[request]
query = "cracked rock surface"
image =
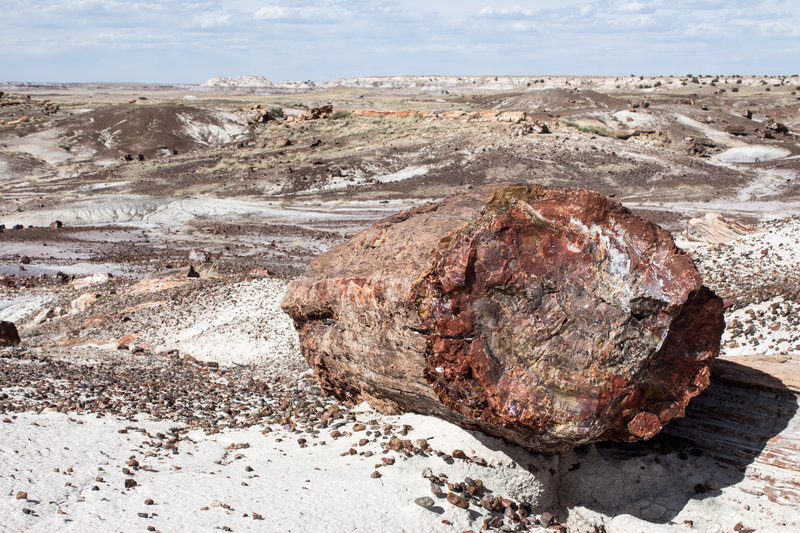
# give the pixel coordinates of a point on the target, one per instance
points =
(549, 317)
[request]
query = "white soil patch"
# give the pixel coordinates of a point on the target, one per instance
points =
(405, 174)
(237, 324)
(752, 154)
(719, 137)
(767, 182)
(16, 308)
(228, 129)
(637, 120)
(115, 209)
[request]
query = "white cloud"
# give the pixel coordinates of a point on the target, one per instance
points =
(514, 12)
(271, 13)
(632, 7)
(312, 14)
(779, 28)
(212, 20)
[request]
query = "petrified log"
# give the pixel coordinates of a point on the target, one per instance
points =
(8, 334)
(549, 317)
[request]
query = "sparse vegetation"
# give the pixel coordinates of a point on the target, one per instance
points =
(341, 115)
(596, 130)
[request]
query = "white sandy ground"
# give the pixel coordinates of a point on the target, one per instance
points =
(239, 324)
(14, 309)
(751, 154)
(316, 489)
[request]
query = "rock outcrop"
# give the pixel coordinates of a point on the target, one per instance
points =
(9, 336)
(713, 228)
(549, 317)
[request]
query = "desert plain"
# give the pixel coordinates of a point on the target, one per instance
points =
(149, 232)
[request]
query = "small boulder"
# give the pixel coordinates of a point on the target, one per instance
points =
(9, 336)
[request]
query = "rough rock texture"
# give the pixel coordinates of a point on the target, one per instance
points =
(8, 334)
(550, 317)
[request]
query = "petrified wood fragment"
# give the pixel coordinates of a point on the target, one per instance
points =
(549, 317)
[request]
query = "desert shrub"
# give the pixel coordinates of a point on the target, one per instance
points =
(735, 90)
(276, 112)
(341, 114)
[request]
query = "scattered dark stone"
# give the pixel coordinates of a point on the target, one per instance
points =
(130, 483)
(459, 454)
(149, 501)
(21, 495)
(375, 475)
(494, 522)
(457, 500)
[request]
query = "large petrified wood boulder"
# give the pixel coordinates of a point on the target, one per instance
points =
(549, 317)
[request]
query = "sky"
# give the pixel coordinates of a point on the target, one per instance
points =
(185, 41)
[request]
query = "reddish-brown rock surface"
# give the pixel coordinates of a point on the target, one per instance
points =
(550, 317)
(8, 334)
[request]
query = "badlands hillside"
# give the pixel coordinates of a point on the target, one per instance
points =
(147, 235)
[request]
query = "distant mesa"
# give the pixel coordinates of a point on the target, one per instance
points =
(241, 82)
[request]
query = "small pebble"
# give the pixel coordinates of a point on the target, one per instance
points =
(425, 502)
(457, 500)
